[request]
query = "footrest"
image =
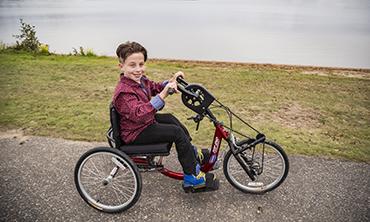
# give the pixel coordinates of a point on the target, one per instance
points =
(212, 184)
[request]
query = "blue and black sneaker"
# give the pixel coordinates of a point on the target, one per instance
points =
(200, 183)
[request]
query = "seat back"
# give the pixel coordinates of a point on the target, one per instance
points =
(115, 126)
(114, 139)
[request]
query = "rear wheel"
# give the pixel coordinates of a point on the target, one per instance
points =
(267, 161)
(107, 180)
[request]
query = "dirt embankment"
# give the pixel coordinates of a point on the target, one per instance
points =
(310, 70)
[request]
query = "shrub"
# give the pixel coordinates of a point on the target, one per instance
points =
(2, 46)
(44, 49)
(83, 52)
(27, 39)
(90, 52)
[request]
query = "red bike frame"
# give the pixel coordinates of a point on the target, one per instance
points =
(220, 133)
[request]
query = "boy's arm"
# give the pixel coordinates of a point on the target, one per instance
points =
(156, 87)
(129, 106)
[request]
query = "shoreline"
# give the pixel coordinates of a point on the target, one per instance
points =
(264, 65)
(360, 73)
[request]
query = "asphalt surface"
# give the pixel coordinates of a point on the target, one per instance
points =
(37, 185)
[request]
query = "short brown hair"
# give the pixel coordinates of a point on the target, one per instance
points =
(126, 49)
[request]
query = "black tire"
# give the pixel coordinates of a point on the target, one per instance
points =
(241, 181)
(125, 184)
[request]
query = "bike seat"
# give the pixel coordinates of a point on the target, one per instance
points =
(114, 140)
(160, 149)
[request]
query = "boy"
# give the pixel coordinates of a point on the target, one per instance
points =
(137, 100)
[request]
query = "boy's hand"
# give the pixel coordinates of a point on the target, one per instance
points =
(174, 77)
(164, 93)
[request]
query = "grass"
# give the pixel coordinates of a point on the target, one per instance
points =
(310, 111)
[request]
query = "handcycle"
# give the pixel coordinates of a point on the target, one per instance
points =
(109, 178)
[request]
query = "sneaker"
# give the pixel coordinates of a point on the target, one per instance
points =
(191, 180)
(200, 183)
(197, 181)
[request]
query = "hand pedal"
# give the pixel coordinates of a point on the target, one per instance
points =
(212, 184)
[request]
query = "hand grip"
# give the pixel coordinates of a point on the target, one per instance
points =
(181, 81)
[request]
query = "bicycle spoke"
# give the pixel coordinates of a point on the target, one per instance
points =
(121, 192)
(274, 167)
(131, 189)
(92, 172)
(91, 183)
(117, 196)
(90, 177)
(271, 159)
(91, 187)
(92, 162)
(124, 182)
(123, 175)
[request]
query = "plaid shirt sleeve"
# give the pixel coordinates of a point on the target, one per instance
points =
(155, 87)
(129, 106)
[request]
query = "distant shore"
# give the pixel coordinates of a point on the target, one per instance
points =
(267, 65)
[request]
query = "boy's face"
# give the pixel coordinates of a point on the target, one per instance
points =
(134, 66)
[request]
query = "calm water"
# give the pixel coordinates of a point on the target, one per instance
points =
(321, 33)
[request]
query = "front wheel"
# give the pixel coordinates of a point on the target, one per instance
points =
(107, 180)
(267, 161)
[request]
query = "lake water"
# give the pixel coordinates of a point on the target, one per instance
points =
(317, 32)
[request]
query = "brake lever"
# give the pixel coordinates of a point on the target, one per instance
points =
(197, 118)
(196, 129)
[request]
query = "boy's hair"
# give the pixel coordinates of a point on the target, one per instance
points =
(126, 49)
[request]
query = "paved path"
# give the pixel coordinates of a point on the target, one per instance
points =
(37, 185)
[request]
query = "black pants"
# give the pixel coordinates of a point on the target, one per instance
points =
(169, 129)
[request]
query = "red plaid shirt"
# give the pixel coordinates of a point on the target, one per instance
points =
(134, 103)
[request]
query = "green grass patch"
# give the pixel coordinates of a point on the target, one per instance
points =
(324, 113)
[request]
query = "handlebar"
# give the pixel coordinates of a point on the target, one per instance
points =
(181, 84)
(197, 93)
(181, 81)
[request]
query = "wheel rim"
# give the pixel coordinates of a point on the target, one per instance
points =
(273, 170)
(100, 190)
